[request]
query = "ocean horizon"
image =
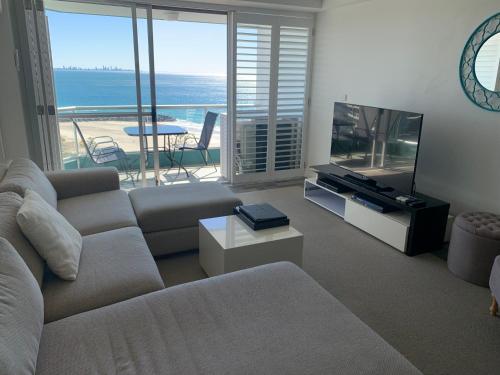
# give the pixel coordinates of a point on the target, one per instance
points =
(94, 87)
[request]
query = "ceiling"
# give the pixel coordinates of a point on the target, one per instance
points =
(295, 5)
(288, 5)
(121, 11)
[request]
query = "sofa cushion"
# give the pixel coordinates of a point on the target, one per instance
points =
(114, 266)
(24, 174)
(180, 206)
(21, 313)
(74, 182)
(99, 212)
(53, 237)
(10, 203)
(272, 319)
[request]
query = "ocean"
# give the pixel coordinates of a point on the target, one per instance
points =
(101, 87)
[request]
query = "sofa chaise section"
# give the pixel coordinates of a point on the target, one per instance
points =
(114, 266)
(272, 319)
(169, 215)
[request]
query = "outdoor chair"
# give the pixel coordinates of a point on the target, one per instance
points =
(192, 143)
(103, 150)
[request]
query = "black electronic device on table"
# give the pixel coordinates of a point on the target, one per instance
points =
(261, 216)
(362, 180)
(332, 185)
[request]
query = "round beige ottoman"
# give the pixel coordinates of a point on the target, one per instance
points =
(474, 244)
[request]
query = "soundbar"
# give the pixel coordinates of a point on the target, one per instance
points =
(332, 185)
(364, 182)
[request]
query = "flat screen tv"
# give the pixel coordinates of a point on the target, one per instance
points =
(377, 143)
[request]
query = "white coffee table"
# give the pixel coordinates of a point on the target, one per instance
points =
(227, 244)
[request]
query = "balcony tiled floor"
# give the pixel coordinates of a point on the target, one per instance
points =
(171, 177)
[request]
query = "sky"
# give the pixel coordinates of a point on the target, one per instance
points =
(88, 41)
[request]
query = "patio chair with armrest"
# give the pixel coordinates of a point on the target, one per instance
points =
(201, 144)
(103, 150)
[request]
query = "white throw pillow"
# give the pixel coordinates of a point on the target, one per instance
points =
(52, 236)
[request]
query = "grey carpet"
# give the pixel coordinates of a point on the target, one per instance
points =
(437, 321)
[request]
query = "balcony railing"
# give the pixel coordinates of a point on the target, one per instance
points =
(120, 111)
(250, 153)
(111, 120)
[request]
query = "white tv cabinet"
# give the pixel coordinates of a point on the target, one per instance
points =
(392, 228)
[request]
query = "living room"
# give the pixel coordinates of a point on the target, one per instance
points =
(169, 275)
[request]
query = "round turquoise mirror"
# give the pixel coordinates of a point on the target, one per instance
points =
(480, 65)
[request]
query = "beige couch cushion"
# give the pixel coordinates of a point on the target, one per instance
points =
(10, 203)
(180, 206)
(53, 237)
(24, 174)
(99, 212)
(21, 314)
(114, 266)
(272, 319)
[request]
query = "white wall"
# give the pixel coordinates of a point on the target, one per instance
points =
(12, 124)
(404, 54)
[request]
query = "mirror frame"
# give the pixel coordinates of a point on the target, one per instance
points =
(475, 91)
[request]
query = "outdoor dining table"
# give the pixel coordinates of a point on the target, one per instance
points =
(166, 131)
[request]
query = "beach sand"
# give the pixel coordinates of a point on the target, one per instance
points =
(114, 129)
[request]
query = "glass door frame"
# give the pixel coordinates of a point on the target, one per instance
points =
(39, 54)
(140, 120)
(142, 110)
(152, 84)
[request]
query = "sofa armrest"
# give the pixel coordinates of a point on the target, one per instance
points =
(72, 183)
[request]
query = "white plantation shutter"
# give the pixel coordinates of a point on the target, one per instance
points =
(253, 71)
(271, 70)
(291, 96)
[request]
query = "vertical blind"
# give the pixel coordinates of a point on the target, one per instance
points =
(270, 110)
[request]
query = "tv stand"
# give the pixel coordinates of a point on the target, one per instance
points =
(411, 230)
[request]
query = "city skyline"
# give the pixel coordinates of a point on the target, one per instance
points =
(88, 41)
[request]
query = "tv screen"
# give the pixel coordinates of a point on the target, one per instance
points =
(378, 143)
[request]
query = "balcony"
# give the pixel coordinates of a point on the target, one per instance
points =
(98, 121)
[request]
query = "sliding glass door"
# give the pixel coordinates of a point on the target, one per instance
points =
(271, 66)
(190, 58)
(134, 84)
(102, 99)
